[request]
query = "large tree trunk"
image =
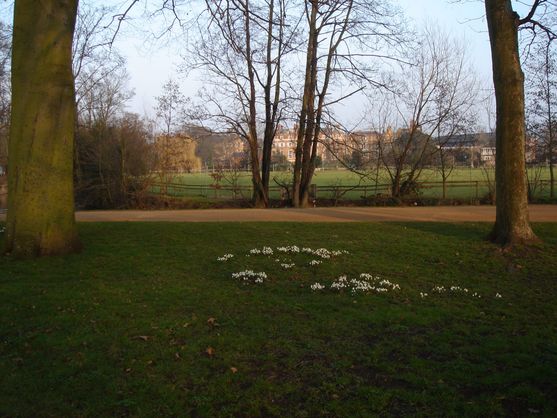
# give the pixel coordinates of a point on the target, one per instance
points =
(40, 217)
(512, 224)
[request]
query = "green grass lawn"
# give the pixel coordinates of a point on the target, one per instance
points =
(146, 322)
(327, 178)
(331, 177)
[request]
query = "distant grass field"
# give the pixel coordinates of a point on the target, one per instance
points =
(147, 322)
(330, 180)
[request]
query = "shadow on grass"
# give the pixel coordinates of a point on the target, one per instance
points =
(469, 231)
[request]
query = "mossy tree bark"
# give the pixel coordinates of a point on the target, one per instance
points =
(512, 224)
(41, 218)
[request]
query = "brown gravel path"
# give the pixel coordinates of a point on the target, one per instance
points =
(538, 213)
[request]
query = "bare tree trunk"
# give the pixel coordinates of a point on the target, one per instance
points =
(512, 224)
(307, 111)
(311, 115)
(551, 174)
(259, 197)
(551, 129)
(395, 182)
(41, 217)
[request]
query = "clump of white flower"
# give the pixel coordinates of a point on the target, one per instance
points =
(317, 287)
(365, 283)
(264, 251)
(456, 290)
(363, 286)
(423, 295)
(368, 277)
(292, 249)
(249, 276)
(225, 257)
(498, 296)
(340, 283)
(314, 263)
(287, 266)
(386, 283)
(322, 253)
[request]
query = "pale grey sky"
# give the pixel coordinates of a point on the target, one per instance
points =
(150, 67)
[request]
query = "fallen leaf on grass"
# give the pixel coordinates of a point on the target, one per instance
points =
(234, 370)
(142, 337)
(212, 322)
(210, 351)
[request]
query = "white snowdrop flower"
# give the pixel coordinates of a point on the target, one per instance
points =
(255, 251)
(317, 286)
(287, 266)
(322, 253)
(250, 275)
(365, 283)
(267, 251)
(498, 295)
(225, 257)
(314, 263)
(423, 295)
(288, 249)
(307, 250)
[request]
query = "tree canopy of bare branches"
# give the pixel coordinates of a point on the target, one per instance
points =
(242, 45)
(345, 40)
(435, 100)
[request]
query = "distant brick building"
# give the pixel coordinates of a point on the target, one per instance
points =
(333, 144)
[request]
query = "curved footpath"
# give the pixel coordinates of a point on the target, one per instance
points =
(538, 213)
